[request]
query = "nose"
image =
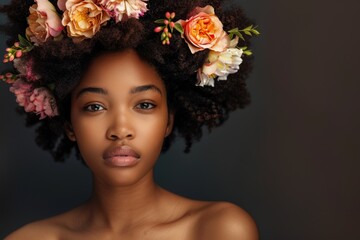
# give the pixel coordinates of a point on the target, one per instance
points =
(120, 127)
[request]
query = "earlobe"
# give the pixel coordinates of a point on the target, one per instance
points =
(70, 132)
(170, 124)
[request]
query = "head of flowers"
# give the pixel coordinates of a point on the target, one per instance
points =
(203, 30)
(82, 19)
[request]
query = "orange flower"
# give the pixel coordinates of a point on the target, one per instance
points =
(83, 18)
(204, 30)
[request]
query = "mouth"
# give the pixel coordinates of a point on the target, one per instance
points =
(123, 156)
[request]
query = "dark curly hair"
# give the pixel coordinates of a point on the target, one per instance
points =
(64, 62)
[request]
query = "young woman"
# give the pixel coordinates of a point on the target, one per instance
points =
(116, 80)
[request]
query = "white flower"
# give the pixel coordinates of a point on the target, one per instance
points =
(220, 64)
(204, 80)
(228, 62)
(123, 9)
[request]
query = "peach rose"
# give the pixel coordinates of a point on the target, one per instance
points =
(83, 18)
(204, 31)
(44, 22)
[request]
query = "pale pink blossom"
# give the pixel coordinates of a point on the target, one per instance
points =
(124, 9)
(37, 100)
(44, 22)
(204, 30)
(22, 91)
(43, 103)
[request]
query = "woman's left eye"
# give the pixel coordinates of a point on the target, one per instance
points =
(145, 106)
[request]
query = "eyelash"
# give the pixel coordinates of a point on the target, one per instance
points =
(89, 107)
(98, 107)
(146, 107)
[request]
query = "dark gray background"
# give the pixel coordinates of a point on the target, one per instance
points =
(291, 159)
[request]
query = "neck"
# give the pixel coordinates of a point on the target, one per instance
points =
(114, 206)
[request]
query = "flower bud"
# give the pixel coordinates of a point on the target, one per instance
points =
(172, 24)
(8, 49)
(158, 29)
(166, 22)
(18, 53)
(164, 42)
(169, 35)
(17, 44)
(5, 60)
(8, 75)
(2, 77)
(166, 30)
(11, 58)
(167, 15)
(172, 15)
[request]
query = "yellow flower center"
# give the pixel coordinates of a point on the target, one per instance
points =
(82, 18)
(204, 29)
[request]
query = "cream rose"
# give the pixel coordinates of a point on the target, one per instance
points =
(83, 18)
(204, 30)
(44, 22)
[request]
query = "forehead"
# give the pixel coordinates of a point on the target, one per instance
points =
(120, 70)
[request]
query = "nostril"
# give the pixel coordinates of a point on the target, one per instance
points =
(113, 137)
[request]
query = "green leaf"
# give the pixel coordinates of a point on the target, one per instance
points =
(249, 27)
(163, 36)
(234, 30)
(248, 33)
(23, 41)
(179, 28)
(231, 36)
(256, 32)
(160, 21)
(247, 52)
(240, 36)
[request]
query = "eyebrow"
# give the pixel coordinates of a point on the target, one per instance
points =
(134, 90)
(92, 90)
(145, 88)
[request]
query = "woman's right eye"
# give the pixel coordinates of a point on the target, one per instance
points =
(94, 108)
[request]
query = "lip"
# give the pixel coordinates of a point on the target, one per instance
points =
(122, 156)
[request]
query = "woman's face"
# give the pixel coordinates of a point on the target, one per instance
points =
(119, 118)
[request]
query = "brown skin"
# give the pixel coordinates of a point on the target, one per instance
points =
(126, 203)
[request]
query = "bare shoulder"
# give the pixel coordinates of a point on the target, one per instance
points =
(222, 220)
(52, 228)
(43, 229)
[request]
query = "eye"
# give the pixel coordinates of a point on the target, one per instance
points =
(94, 108)
(145, 106)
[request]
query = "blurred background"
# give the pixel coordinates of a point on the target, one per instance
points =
(291, 159)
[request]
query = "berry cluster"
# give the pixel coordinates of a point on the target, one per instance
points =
(167, 27)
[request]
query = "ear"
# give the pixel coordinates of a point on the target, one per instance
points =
(170, 124)
(69, 131)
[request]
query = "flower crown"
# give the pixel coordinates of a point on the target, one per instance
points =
(82, 19)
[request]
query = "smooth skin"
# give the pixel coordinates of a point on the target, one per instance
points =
(121, 101)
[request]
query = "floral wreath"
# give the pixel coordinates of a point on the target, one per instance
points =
(82, 19)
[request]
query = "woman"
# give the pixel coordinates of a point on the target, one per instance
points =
(110, 80)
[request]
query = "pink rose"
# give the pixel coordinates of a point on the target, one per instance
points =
(44, 22)
(43, 103)
(204, 30)
(38, 100)
(22, 91)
